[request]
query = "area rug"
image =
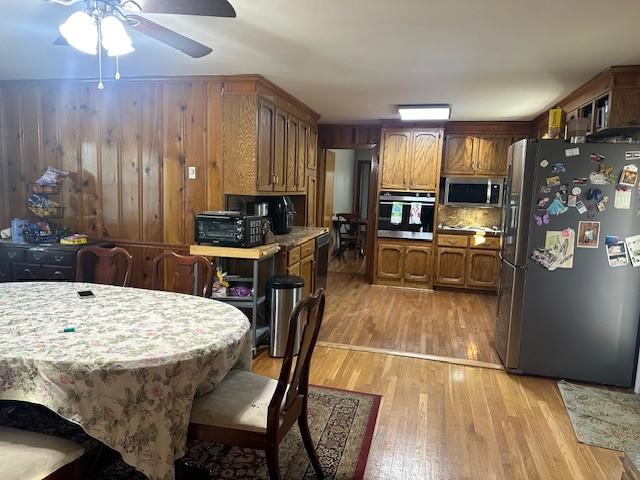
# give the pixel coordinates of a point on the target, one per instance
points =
(341, 423)
(603, 418)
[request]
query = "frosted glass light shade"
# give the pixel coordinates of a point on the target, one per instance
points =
(81, 31)
(115, 38)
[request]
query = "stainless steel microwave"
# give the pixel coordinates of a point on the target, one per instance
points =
(473, 192)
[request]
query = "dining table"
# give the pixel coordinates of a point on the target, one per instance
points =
(123, 363)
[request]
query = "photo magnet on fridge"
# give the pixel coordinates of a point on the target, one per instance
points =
(622, 198)
(588, 234)
(553, 181)
(580, 207)
(629, 176)
(633, 247)
(561, 243)
(572, 152)
(616, 251)
(572, 200)
(632, 156)
(558, 167)
(597, 158)
(544, 163)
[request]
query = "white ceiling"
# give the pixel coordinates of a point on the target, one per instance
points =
(354, 60)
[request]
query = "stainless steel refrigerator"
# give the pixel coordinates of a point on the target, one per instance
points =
(577, 323)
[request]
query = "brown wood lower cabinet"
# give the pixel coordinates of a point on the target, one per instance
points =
(301, 262)
(407, 264)
(468, 264)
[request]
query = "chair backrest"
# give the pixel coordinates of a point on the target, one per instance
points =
(181, 274)
(346, 224)
(293, 383)
(108, 267)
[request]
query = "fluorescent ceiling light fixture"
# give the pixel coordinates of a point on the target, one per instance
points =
(424, 112)
(115, 38)
(81, 31)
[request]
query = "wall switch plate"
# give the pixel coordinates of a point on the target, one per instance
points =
(193, 175)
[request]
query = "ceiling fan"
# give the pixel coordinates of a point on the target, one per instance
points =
(102, 24)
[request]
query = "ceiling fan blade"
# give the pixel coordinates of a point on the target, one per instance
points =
(209, 8)
(169, 37)
(61, 42)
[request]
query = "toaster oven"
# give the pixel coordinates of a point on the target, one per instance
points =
(229, 229)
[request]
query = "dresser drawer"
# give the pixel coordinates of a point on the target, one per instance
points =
(51, 257)
(11, 255)
(485, 243)
(57, 273)
(5, 272)
(26, 271)
(294, 256)
(307, 248)
(453, 241)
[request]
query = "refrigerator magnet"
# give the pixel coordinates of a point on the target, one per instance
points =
(572, 152)
(616, 251)
(597, 158)
(557, 207)
(622, 199)
(544, 190)
(558, 168)
(633, 248)
(572, 200)
(629, 176)
(598, 178)
(543, 203)
(600, 206)
(553, 181)
(580, 181)
(580, 207)
(576, 190)
(632, 156)
(544, 163)
(588, 234)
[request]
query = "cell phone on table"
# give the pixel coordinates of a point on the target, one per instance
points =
(85, 294)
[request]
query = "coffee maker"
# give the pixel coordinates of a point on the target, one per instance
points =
(281, 212)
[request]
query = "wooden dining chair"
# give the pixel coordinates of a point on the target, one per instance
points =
(108, 267)
(252, 411)
(35, 456)
(181, 275)
(348, 234)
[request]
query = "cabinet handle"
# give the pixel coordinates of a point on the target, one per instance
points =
(38, 256)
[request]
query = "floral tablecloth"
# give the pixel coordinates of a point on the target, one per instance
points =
(130, 371)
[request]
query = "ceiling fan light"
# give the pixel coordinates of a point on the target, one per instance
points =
(115, 38)
(81, 31)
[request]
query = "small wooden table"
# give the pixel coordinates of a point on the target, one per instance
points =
(257, 255)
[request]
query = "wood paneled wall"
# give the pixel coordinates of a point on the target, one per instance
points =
(128, 149)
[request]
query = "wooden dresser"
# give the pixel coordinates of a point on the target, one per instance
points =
(23, 261)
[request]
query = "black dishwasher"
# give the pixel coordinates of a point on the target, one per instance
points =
(322, 260)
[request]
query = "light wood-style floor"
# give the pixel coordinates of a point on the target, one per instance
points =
(440, 323)
(449, 422)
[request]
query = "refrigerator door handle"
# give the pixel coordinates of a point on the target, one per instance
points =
(518, 267)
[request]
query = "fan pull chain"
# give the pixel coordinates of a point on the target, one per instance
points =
(117, 68)
(100, 84)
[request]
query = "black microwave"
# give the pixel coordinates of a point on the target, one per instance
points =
(229, 229)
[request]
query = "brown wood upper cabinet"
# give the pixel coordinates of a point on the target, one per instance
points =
(410, 159)
(268, 140)
(481, 155)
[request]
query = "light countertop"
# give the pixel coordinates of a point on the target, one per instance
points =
(298, 236)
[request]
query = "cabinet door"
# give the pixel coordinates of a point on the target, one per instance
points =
(292, 154)
(280, 151)
(417, 264)
(294, 270)
(491, 155)
(424, 161)
(312, 148)
(482, 268)
(458, 155)
(301, 166)
(307, 273)
(266, 119)
(451, 266)
(312, 191)
(395, 158)
(390, 261)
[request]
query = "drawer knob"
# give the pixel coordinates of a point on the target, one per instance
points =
(38, 256)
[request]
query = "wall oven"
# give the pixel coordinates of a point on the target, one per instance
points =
(473, 192)
(406, 215)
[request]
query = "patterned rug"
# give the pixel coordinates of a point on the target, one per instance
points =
(603, 418)
(341, 423)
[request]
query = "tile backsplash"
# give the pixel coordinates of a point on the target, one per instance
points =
(469, 216)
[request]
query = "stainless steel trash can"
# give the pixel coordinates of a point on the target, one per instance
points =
(283, 293)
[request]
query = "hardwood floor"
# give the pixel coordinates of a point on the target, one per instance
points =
(440, 421)
(442, 323)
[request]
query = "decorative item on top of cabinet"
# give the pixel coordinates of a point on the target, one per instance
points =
(411, 159)
(481, 155)
(406, 264)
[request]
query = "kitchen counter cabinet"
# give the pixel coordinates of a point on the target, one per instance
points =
(298, 236)
(404, 264)
(467, 261)
(298, 255)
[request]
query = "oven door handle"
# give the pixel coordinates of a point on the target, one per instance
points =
(424, 204)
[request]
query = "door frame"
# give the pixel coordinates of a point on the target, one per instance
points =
(372, 217)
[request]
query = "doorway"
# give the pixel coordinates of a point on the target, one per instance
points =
(346, 186)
